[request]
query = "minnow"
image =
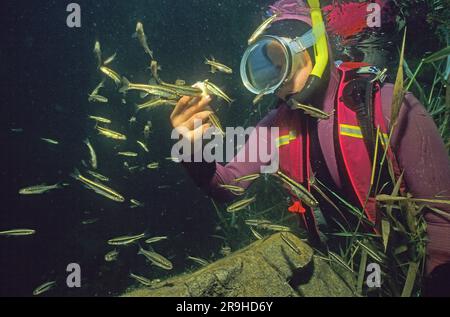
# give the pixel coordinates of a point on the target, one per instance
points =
(155, 239)
(127, 154)
(256, 234)
(153, 166)
(215, 65)
(98, 98)
(216, 123)
(89, 221)
(311, 111)
(156, 259)
(370, 252)
(98, 188)
(40, 189)
(233, 189)
(273, 227)
(174, 159)
(154, 69)
(111, 256)
(247, 178)
(291, 244)
(136, 203)
(339, 260)
(200, 261)
(261, 29)
(140, 34)
(256, 222)
(50, 141)
(213, 89)
(260, 96)
(110, 59)
(99, 86)
(144, 281)
(111, 74)
(111, 134)
(17, 232)
(304, 196)
(184, 90)
(98, 53)
(143, 146)
(154, 103)
(242, 204)
(98, 176)
(225, 251)
(301, 192)
(92, 154)
(150, 89)
(44, 288)
(100, 119)
(126, 240)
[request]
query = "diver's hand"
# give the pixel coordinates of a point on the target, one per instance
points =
(187, 111)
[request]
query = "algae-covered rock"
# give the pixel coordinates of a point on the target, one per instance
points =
(268, 267)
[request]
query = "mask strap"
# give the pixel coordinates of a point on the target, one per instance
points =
(309, 39)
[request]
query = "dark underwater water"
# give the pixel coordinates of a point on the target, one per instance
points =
(48, 70)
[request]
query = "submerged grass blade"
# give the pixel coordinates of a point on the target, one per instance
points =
(438, 55)
(386, 231)
(375, 157)
(362, 271)
(399, 92)
(410, 280)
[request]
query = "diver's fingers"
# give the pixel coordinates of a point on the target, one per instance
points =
(197, 119)
(196, 134)
(201, 105)
(179, 108)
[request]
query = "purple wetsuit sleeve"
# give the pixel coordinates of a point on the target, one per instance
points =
(209, 176)
(422, 156)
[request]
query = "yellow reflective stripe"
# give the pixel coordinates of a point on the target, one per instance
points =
(282, 140)
(286, 139)
(351, 130)
(355, 132)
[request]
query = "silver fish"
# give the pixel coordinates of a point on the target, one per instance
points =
(140, 34)
(156, 259)
(126, 240)
(93, 155)
(40, 189)
(199, 261)
(17, 232)
(44, 288)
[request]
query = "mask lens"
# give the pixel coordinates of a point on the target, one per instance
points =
(266, 64)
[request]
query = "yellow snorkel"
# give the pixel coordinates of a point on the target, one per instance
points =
(271, 61)
(320, 51)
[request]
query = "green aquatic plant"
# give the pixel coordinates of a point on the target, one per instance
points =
(435, 98)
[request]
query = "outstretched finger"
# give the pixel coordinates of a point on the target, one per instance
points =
(182, 104)
(201, 105)
(198, 118)
(199, 132)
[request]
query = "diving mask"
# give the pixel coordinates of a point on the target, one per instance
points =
(272, 60)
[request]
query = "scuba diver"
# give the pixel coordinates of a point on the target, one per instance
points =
(293, 61)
